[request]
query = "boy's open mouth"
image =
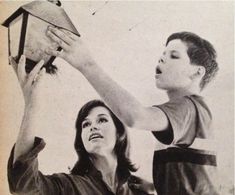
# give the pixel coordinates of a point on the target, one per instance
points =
(158, 70)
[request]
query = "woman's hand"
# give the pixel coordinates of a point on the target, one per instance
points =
(74, 51)
(28, 82)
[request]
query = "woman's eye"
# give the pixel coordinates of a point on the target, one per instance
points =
(85, 124)
(102, 120)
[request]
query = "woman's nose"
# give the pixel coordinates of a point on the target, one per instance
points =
(93, 128)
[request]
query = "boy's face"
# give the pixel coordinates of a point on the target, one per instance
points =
(174, 70)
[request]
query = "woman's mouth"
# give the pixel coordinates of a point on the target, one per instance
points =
(95, 136)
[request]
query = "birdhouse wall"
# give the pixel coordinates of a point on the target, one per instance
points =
(36, 40)
(15, 35)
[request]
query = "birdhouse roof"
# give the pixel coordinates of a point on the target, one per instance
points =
(46, 11)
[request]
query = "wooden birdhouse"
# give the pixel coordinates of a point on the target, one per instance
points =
(27, 28)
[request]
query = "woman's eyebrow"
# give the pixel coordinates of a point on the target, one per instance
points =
(85, 119)
(102, 115)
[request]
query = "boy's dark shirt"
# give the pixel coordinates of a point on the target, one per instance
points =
(191, 170)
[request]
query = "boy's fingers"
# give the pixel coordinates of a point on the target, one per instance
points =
(21, 68)
(63, 35)
(72, 36)
(52, 52)
(59, 40)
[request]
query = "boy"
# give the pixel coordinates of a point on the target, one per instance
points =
(186, 66)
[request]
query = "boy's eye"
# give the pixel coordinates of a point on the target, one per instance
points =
(173, 56)
(85, 124)
(102, 120)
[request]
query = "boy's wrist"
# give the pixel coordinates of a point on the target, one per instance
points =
(86, 66)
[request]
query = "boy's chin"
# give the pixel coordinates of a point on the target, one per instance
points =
(159, 85)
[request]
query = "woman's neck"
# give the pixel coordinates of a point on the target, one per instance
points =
(107, 165)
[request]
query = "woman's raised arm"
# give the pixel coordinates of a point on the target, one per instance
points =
(29, 85)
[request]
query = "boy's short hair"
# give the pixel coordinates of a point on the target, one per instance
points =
(200, 52)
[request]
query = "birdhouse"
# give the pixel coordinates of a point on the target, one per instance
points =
(27, 28)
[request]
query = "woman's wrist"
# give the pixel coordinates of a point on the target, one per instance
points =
(31, 108)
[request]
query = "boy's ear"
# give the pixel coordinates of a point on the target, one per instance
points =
(199, 72)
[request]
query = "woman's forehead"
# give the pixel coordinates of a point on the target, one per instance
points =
(98, 111)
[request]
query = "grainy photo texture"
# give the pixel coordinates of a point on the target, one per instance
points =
(117, 97)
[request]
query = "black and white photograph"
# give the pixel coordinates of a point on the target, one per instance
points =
(117, 97)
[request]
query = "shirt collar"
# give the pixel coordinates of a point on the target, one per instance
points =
(123, 176)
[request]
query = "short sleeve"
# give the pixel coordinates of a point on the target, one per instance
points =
(181, 114)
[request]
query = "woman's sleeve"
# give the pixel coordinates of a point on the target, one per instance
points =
(24, 176)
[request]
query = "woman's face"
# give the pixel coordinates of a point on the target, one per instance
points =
(174, 69)
(99, 132)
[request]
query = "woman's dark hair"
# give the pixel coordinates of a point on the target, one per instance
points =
(121, 147)
(200, 52)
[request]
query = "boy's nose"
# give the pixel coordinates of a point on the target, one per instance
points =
(161, 60)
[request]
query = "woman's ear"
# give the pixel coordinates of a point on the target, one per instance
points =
(199, 72)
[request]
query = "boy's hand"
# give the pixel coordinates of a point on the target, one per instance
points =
(28, 82)
(140, 184)
(74, 51)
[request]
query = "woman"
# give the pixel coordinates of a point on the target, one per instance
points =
(101, 143)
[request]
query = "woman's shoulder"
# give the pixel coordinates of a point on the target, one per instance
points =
(68, 179)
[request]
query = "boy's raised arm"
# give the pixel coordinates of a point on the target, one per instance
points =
(122, 103)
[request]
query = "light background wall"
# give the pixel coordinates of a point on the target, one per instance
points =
(126, 38)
